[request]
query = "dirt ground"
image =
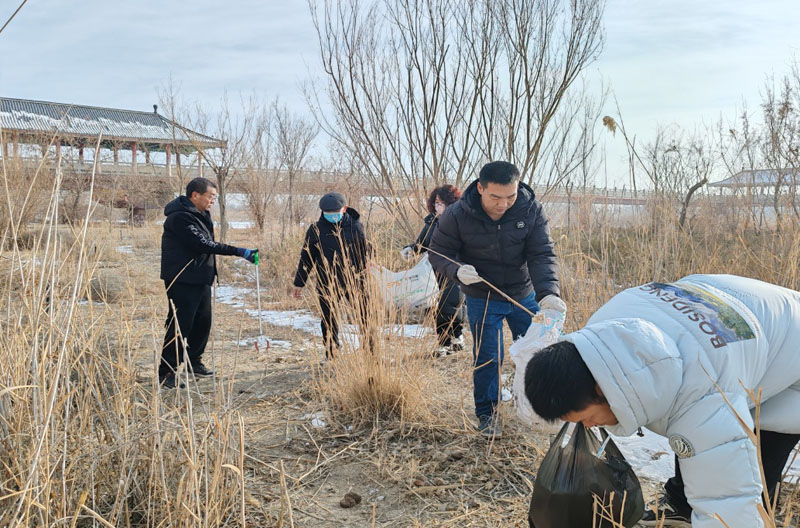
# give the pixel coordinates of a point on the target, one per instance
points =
(405, 474)
(301, 460)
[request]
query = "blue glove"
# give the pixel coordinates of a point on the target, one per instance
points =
(247, 254)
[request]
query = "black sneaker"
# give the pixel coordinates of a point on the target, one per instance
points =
(666, 515)
(201, 371)
(170, 382)
(489, 426)
(457, 344)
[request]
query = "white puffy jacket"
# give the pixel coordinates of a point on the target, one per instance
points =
(656, 351)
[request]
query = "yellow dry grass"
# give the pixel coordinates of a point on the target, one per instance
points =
(87, 439)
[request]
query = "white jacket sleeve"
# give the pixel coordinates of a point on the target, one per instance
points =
(718, 462)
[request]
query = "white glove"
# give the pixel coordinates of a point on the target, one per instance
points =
(553, 302)
(407, 253)
(468, 274)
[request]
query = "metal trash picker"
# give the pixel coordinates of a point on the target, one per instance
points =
(262, 341)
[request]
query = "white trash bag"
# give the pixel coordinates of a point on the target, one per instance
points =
(545, 330)
(412, 291)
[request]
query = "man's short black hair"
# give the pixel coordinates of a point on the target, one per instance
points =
(557, 382)
(501, 172)
(199, 185)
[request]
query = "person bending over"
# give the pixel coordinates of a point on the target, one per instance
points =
(678, 358)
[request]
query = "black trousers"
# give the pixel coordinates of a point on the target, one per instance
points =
(775, 451)
(193, 314)
(329, 304)
(449, 311)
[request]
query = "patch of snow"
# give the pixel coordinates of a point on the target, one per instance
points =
(505, 395)
(297, 319)
(124, 249)
(280, 344)
(241, 224)
(650, 455)
(410, 330)
(230, 295)
(306, 321)
(794, 470)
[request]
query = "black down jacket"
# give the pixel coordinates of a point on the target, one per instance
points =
(423, 241)
(333, 248)
(188, 238)
(514, 253)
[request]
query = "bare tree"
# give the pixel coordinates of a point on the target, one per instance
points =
(424, 91)
(739, 146)
(294, 137)
(677, 165)
(260, 171)
(770, 144)
(237, 129)
(782, 139)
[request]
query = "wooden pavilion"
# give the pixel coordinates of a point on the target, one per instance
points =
(43, 123)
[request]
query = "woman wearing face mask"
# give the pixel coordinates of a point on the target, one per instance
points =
(336, 247)
(449, 317)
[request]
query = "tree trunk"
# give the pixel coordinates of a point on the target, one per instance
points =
(685, 206)
(291, 196)
(223, 209)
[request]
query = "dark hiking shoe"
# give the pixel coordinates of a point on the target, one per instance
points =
(170, 382)
(457, 344)
(201, 371)
(489, 426)
(666, 513)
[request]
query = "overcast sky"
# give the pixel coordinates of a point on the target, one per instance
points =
(677, 61)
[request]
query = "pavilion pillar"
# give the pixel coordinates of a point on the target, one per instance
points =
(178, 160)
(57, 141)
(168, 151)
(116, 154)
(200, 163)
(5, 148)
(147, 155)
(15, 143)
(134, 165)
(80, 152)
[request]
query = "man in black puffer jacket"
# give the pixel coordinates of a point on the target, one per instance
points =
(188, 269)
(336, 247)
(497, 232)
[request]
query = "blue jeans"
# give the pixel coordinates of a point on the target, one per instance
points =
(486, 324)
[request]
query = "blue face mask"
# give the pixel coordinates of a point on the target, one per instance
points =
(333, 218)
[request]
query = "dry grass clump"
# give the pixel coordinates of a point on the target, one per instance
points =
(378, 373)
(83, 440)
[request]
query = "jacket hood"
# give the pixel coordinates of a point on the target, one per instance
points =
(180, 204)
(637, 366)
(471, 199)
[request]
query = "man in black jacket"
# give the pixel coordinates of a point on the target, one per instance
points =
(497, 232)
(188, 269)
(336, 247)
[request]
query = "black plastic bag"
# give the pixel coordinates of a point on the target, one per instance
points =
(572, 474)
